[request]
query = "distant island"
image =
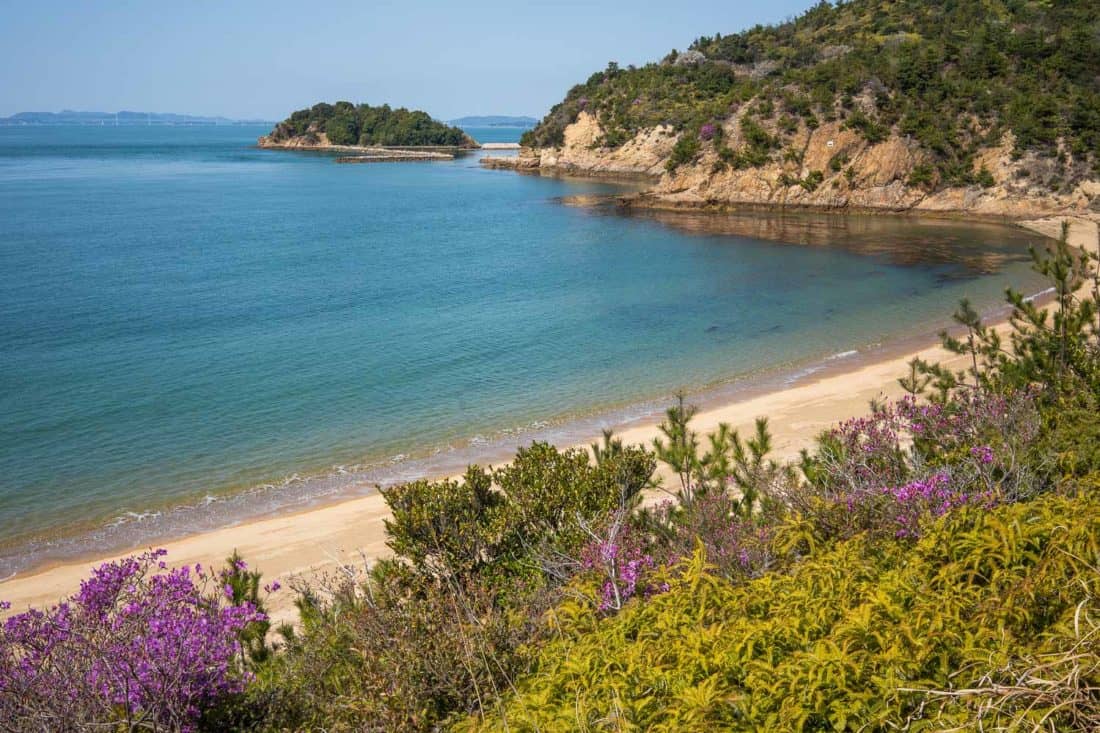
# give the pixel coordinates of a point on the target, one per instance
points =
(495, 121)
(125, 118)
(345, 125)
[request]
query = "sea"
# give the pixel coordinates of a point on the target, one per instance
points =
(195, 332)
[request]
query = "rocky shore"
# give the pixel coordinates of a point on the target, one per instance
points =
(521, 163)
(320, 143)
(835, 169)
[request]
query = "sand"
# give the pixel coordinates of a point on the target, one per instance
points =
(301, 545)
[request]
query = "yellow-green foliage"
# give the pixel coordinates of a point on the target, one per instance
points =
(852, 638)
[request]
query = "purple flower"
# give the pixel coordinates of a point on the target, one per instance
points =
(624, 570)
(135, 642)
(706, 132)
(931, 496)
(983, 453)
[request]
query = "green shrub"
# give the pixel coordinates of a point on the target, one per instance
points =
(385, 651)
(852, 638)
(445, 626)
(922, 176)
(1072, 436)
(838, 161)
(684, 151)
(812, 180)
(872, 131)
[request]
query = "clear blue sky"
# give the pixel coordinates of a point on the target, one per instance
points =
(264, 59)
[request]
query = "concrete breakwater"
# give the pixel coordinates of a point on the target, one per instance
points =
(394, 156)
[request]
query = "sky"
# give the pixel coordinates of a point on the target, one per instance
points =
(265, 59)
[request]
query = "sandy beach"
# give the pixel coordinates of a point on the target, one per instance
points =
(312, 541)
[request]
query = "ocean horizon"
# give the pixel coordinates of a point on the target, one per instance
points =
(195, 331)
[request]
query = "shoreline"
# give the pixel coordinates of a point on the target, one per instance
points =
(377, 149)
(328, 485)
(647, 202)
(309, 541)
(651, 201)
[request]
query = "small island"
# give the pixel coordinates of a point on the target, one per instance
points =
(378, 133)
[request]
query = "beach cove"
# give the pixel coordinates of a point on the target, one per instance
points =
(317, 540)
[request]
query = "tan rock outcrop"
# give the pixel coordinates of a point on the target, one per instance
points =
(645, 154)
(516, 163)
(301, 142)
(828, 167)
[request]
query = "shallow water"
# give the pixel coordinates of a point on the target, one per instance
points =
(193, 330)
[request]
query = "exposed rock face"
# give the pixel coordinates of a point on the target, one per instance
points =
(283, 137)
(689, 58)
(518, 163)
(828, 167)
(644, 155)
(312, 139)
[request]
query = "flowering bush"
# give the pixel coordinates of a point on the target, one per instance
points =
(858, 454)
(738, 548)
(942, 433)
(706, 132)
(139, 646)
(636, 555)
(934, 496)
(623, 566)
(910, 460)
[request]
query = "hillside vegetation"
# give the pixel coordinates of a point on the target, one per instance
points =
(344, 123)
(865, 635)
(953, 76)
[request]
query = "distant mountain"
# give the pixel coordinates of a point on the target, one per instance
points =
(495, 121)
(123, 118)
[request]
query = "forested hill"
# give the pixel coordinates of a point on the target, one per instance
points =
(950, 77)
(344, 123)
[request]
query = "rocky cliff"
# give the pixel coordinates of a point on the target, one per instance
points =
(281, 138)
(828, 167)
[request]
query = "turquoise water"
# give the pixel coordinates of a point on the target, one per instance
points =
(193, 330)
(495, 134)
